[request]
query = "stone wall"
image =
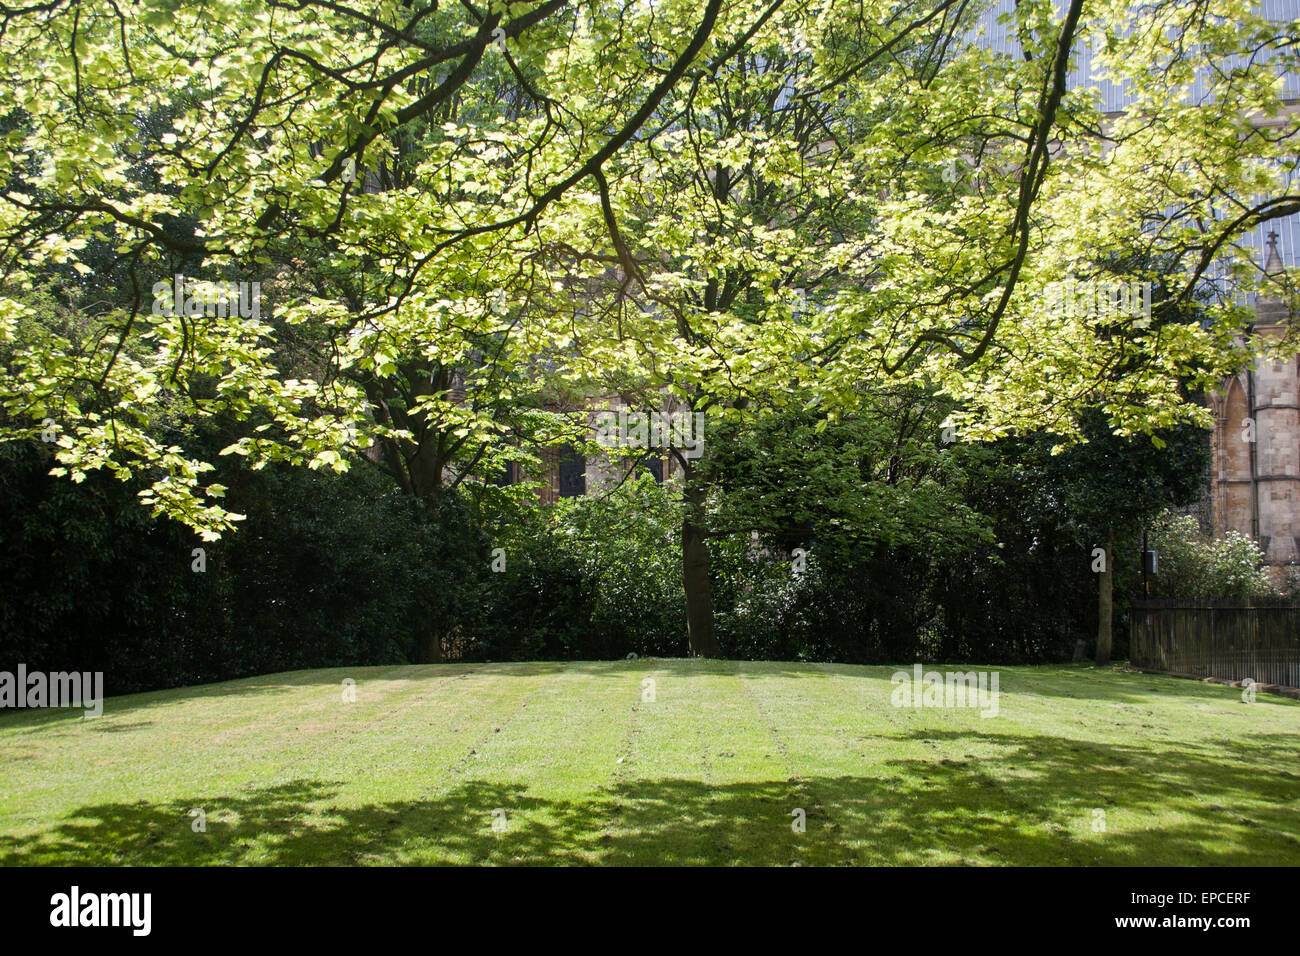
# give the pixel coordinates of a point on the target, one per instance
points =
(1255, 465)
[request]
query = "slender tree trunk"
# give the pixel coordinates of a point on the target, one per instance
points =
(432, 647)
(1105, 582)
(425, 472)
(695, 575)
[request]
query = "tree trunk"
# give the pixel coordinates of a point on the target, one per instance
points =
(432, 642)
(1105, 581)
(695, 575)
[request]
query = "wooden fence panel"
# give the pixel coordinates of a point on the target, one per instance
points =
(1230, 640)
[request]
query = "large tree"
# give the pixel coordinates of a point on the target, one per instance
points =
(820, 217)
(508, 199)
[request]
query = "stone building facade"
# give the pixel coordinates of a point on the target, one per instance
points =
(1255, 463)
(567, 473)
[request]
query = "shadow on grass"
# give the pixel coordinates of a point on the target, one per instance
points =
(1033, 804)
(1072, 682)
(326, 679)
(1116, 683)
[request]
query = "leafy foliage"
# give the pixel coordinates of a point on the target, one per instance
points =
(628, 195)
(337, 569)
(468, 224)
(1194, 566)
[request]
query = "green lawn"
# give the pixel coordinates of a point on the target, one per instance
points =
(708, 772)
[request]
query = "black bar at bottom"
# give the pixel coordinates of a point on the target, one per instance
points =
(335, 906)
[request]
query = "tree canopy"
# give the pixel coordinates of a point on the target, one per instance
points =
(457, 213)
